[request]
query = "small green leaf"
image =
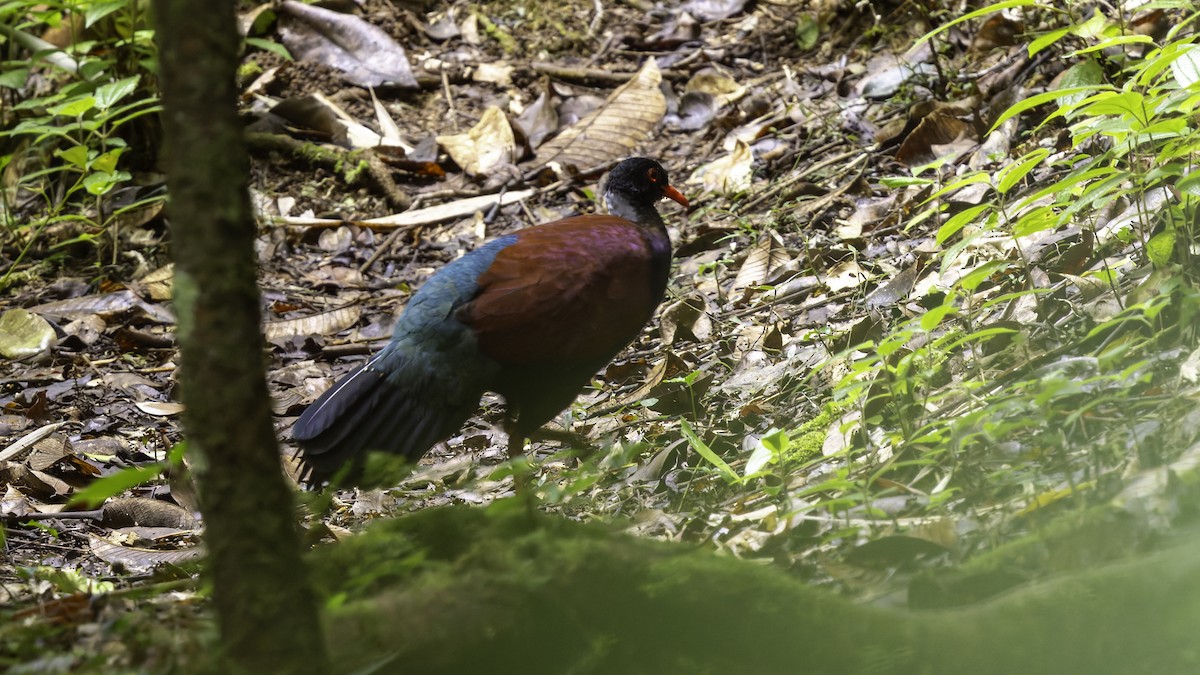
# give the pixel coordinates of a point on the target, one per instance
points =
(706, 452)
(1160, 247)
(269, 46)
(100, 182)
(99, 10)
(108, 160)
(76, 156)
(1013, 173)
(955, 223)
(933, 318)
(102, 489)
(14, 78)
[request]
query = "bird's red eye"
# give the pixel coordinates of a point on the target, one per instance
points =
(653, 176)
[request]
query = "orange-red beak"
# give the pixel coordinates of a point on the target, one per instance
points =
(676, 196)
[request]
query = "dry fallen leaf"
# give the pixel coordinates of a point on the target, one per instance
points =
(487, 146)
(160, 408)
(614, 129)
(763, 259)
(729, 174)
(325, 323)
(364, 54)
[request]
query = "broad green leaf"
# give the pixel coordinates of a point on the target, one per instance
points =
(98, 10)
(1038, 219)
(1160, 247)
(76, 156)
(1115, 42)
(761, 457)
(108, 161)
(1086, 74)
(74, 107)
(1045, 40)
(972, 279)
(1111, 103)
(14, 78)
(100, 182)
(108, 95)
(269, 46)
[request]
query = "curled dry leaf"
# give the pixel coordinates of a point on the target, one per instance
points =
(325, 323)
(727, 175)
(766, 256)
(104, 305)
(687, 319)
(540, 119)
(14, 503)
(723, 88)
(489, 144)
(24, 334)
(938, 135)
(614, 129)
(160, 408)
(139, 558)
(713, 10)
(889, 72)
(846, 274)
(157, 284)
(365, 54)
(143, 512)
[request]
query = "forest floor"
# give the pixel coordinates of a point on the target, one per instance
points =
(843, 380)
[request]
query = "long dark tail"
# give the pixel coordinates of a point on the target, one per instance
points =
(366, 411)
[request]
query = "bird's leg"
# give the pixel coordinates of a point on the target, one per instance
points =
(520, 466)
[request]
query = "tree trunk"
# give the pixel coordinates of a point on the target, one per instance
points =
(264, 603)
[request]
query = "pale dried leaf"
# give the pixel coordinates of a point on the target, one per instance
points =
(24, 334)
(938, 135)
(713, 10)
(487, 146)
(365, 54)
(846, 274)
(391, 135)
(889, 72)
(727, 175)
(613, 130)
(104, 305)
(139, 558)
(893, 290)
(14, 504)
(430, 215)
(763, 259)
(723, 88)
(28, 440)
(493, 73)
(325, 323)
(48, 452)
(540, 119)
(160, 408)
(87, 329)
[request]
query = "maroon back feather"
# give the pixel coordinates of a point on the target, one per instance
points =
(572, 291)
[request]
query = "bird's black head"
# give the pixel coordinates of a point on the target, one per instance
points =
(641, 182)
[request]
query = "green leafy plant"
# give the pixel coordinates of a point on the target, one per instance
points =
(70, 149)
